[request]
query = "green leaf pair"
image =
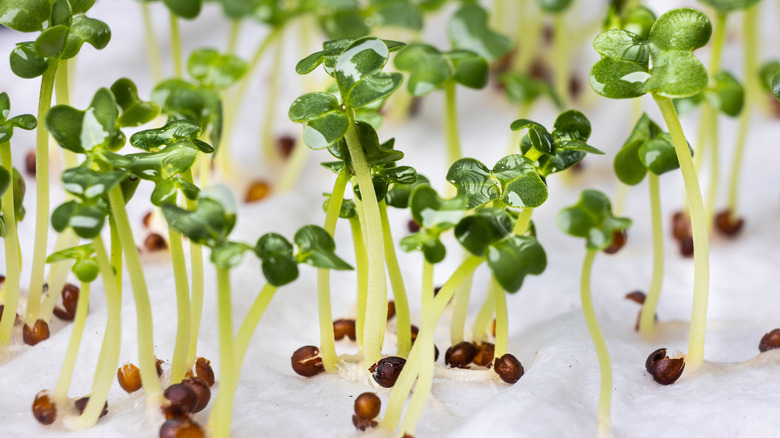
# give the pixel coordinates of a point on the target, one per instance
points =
(177, 131)
(212, 220)
(84, 131)
(637, 20)
(727, 6)
(86, 213)
(215, 70)
(135, 112)
(648, 148)
(591, 218)
(663, 63)
(513, 179)
(468, 29)
(429, 69)
(180, 99)
(726, 95)
(399, 193)
(435, 215)
(522, 89)
(86, 268)
(24, 121)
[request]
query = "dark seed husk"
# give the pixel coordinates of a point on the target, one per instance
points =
(412, 226)
(728, 224)
(70, 299)
(158, 364)
(362, 423)
(176, 411)
(37, 333)
(29, 163)
(286, 144)
(204, 371)
(387, 370)
(770, 341)
(367, 405)
(636, 296)
(155, 242)
(460, 355)
(202, 390)
(306, 361)
(183, 395)
(43, 408)
(344, 327)
(508, 368)
(390, 310)
(81, 404)
(484, 354)
(181, 427)
(618, 242)
(664, 369)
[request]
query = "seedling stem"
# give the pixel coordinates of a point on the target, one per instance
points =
(647, 318)
(176, 46)
(484, 317)
(452, 133)
(251, 320)
(270, 152)
(403, 320)
(178, 364)
(152, 49)
(222, 413)
(60, 395)
(561, 58)
(502, 319)
(361, 266)
(11, 242)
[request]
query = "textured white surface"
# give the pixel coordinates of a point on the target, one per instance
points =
(557, 396)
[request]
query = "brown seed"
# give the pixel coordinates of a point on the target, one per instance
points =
(176, 411)
(81, 404)
(508, 368)
(414, 107)
(390, 310)
(363, 423)
(575, 86)
(29, 163)
(367, 405)
(147, 219)
(181, 428)
(460, 355)
(412, 226)
(387, 370)
(485, 353)
(686, 247)
(202, 390)
(183, 395)
(204, 371)
(770, 341)
(681, 226)
(70, 299)
(493, 328)
(344, 327)
(257, 191)
(578, 167)
(406, 435)
(728, 224)
(129, 378)
(158, 365)
(43, 408)
(17, 320)
(39, 332)
(306, 361)
(414, 330)
(636, 296)
(618, 241)
(664, 369)
(540, 71)
(155, 242)
(286, 144)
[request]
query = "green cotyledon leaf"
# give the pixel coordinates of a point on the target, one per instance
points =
(135, 112)
(317, 248)
(591, 218)
(485, 227)
(521, 185)
(358, 72)
(324, 120)
(474, 182)
(25, 15)
(434, 213)
(214, 69)
(468, 29)
(514, 258)
(726, 6)
(279, 264)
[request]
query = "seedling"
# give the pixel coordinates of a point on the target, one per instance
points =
(591, 219)
(626, 71)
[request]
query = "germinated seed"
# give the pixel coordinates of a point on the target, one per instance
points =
(202, 390)
(618, 242)
(129, 377)
(70, 299)
(306, 361)
(35, 334)
(362, 423)
(257, 191)
(460, 355)
(81, 404)
(508, 368)
(344, 327)
(636, 296)
(158, 364)
(29, 163)
(43, 408)
(367, 405)
(664, 369)
(727, 223)
(390, 310)
(412, 226)
(155, 242)
(286, 144)
(182, 395)
(484, 354)
(181, 427)
(386, 371)
(204, 371)
(770, 341)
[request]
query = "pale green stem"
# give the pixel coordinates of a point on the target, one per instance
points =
(502, 319)
(701, 277)
(143, 307)
(561, 59)
(235, 32)
(361, 266)
(109, 352)
(176, 54)
(376, 300)
(196, 298)
(116, 252)
(750, 26)
(251, 320)
(58, 274)
(484, 317)
(460, 311)
(183, 323)
(411, 370)
(604, 421)
(152, 49)
(41, 210)
(293, 168)
(69, 364)
(325, 313)
(529, 35)
(712, 189)
(451, 132)
(12, 264)
(270, 151)
(62, 94)
(403, 320)
(222, 413)
(647, 317)
(523, 221)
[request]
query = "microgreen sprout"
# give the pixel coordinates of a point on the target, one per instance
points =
(591, 218)
(626, 71)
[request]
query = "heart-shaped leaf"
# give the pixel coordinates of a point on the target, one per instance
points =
(647, 148)
(428, 68)
(324, 120)
(726, 6)
(25, 15)
(24, 121)
(86, 220)
(540, 138)
(468, 29)
(188, 9)
(512, 259)
(182, 100)
(591, 218)
(209, 224)
(683, 29)
(81, 131)
(135, 112)
(434, 213)
(88, 184)
(728, 95)
(676, 73)
(228, 255)
(51, 41)
(618, 79)
(622, 45)
(279, 264)
(26, 62)
(474, 182)
(571, 125)
(521, 186)
(86, 30)
(358, 72)
(658, 154)
(174, 160)
(216, 70)
(471, 69)
(485, 227)
(173, 132)
(317, 248)
(428, 243)
(639, 20)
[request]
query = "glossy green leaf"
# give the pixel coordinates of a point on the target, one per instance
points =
(540, 138)
(26, 62)
(639, 20)
(86, 30)
(209, 224)
(618, 79)
(512, 259)
(428, 243)
(344, 24)
(767, 73)
(628, 167)
(428, 68)
(25, 15)
(677, 74)
(434, 213)
(85, 220)
(228, 255)
(471, 69)
(324, 121)
(81, 252)
(80, 6)
(572, 125)
(630, 164)
(174, 160)
(776, 86)
(216, 70)
(88, 184)
(521, 186)
(5, 180)
(279, 264)
(563, 159)
(173, 132)
(474, 182)
(135, 112)
(374, 152)
(317, 248)
(182, 100)
(554, 6)
(51, 41)
(364, 57)
(728, 95)
(24, 121)
(658, 155)
(398, 195)
(591, 218)
(81, 131)
(86, 270)
(622, 45)
(524, 90)
(468, 29)
(726, 6)
(683, 29)
(188, 9)
(485, 227)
